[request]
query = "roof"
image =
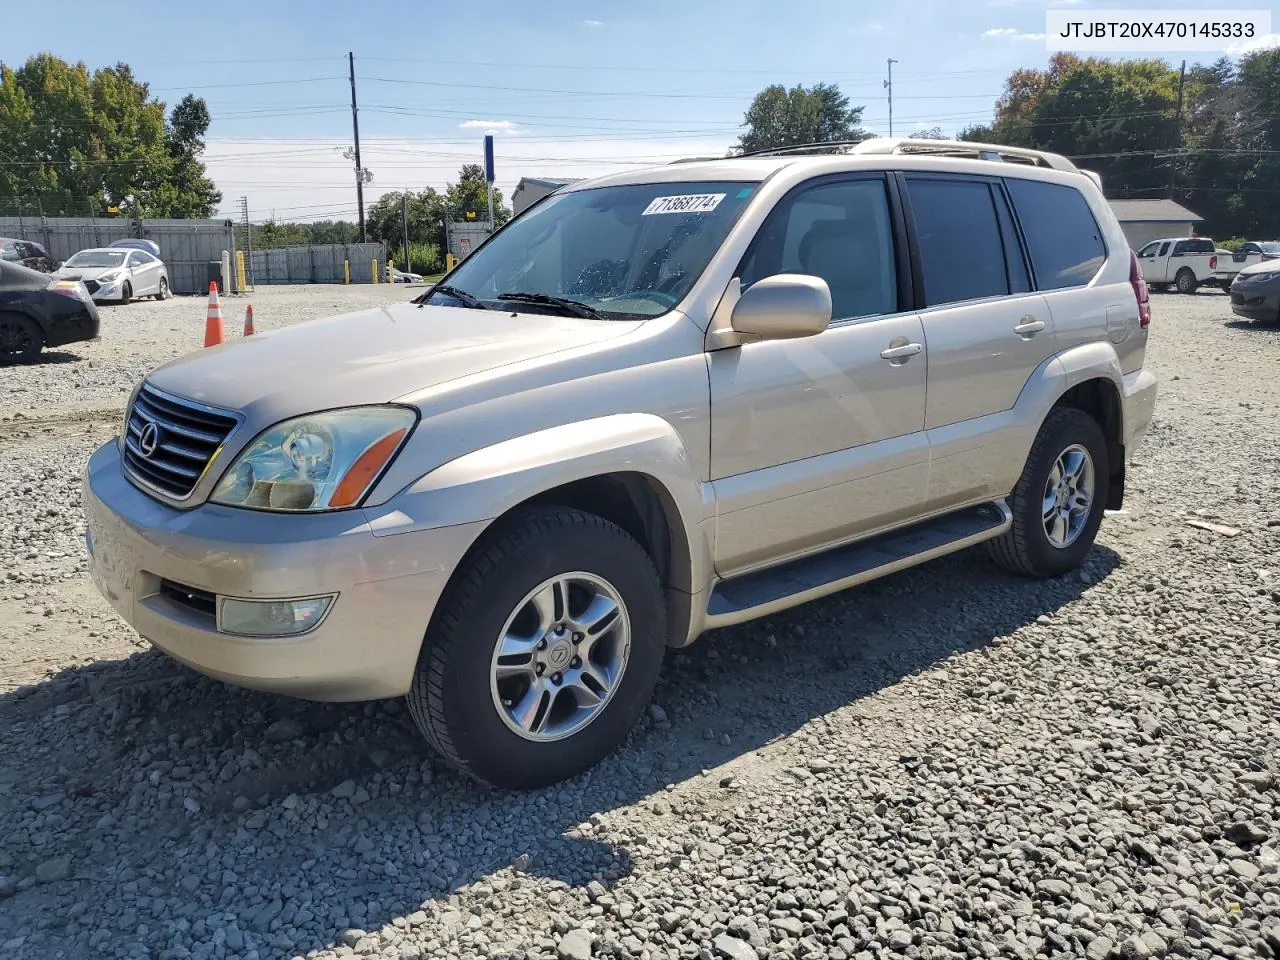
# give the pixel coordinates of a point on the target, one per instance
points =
(547, 181)
(1152, 211)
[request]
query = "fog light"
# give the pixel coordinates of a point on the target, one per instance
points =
(271, 618)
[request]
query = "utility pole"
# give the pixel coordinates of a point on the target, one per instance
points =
(1177, 135)
(355, 129)
(404, 219)
(888, 85)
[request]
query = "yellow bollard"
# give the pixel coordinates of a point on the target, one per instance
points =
(346, 271)
(240, 284)
(373, 268)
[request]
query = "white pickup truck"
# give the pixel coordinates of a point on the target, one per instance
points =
(1186, 263)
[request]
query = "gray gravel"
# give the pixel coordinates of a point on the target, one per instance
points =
(951, 762)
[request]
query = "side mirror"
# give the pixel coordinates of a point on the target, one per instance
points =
(783, 307)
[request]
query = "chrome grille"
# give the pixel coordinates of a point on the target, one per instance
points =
(169, 441)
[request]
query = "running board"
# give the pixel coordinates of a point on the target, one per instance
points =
(762, 592)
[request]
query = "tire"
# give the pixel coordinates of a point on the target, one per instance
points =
(468, 716)
(1186, 281)
(21, 339)
(126, 294)
(1026, 547)
(163, 292)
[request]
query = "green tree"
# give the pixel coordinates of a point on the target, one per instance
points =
(75, 143)
(779, 117)
(932, 133)
(470, 195)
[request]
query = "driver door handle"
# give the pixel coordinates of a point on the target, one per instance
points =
(1029, 327)
(901, 352)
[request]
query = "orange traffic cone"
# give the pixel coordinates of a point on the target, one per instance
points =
(213, 332)
(248, 320)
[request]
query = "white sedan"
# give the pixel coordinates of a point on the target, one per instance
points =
(118, 274)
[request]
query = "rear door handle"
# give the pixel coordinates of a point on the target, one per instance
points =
(1029, 327)
(902, 352)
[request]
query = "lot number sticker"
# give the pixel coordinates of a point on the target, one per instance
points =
(689, 203)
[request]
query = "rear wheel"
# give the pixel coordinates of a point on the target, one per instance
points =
(543, 651)
(20, 339)
(1059, 500)
(1186, 281)
(126, 293)
(163, 292)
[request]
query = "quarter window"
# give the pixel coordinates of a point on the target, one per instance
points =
(1063, 238)
(839, 231)
(962, 254)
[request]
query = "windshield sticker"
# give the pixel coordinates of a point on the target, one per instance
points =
(689, 203)
(745, 192)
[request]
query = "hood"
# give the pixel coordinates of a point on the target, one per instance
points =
(84, 273)
(1265, 266)
(374, 356)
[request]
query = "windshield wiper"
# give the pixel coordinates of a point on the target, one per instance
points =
(574, 308)
(457, 294)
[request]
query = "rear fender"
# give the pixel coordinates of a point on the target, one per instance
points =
(487, 483)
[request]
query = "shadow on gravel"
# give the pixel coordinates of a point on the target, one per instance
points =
(206, 800)
(1269, 327)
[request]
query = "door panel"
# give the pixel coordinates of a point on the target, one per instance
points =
(816, 440)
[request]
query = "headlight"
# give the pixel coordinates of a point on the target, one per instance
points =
(108, 277)
(323, 461)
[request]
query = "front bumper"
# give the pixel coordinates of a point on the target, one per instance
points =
(106, 291)
(365, 648)
(1255, 304)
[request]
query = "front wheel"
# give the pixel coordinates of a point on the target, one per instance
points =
(20, 339)
(126, 294)
(1186, 281)
(1059, 500)
(544, 650)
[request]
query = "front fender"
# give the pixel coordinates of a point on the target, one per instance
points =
(487, 483)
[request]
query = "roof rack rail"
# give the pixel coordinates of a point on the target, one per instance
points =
(966, 148)
(798, 148)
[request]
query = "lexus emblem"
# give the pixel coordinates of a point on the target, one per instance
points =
(149, 439)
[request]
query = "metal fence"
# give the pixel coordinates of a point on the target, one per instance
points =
(318, 264)
(188, 247)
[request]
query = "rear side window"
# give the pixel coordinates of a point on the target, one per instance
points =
(1063, 238)
(962, 255)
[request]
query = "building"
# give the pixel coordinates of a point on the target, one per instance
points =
(1147, 220)
(532, 189)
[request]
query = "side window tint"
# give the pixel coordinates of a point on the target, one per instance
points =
(1164, 248)
(840, 232)
(1064, 239)
(961, 252)
(1180, 247)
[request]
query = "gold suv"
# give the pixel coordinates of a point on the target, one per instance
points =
(653, 404)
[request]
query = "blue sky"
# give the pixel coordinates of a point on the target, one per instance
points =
(569, 87)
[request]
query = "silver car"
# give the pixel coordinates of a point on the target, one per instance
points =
(118, 274)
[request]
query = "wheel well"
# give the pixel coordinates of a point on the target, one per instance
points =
(645, 510)
(1101, 400)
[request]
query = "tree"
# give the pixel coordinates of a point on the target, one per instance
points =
(77, 143)
(779, 117)
(470, 195)
(933, 133)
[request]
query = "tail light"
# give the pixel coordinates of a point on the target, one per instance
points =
(1140, 290)
(1213, 262)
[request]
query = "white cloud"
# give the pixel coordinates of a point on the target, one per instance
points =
(593, 23)
(310, 180)
(1265, 42)
(1009, 33)
(509, 127)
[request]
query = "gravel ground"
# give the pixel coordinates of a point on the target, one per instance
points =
(951, 762)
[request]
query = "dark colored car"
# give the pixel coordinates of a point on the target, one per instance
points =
(37, 311)
(1255, 292)
(28, 253)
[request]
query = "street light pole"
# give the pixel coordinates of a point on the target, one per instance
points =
(888, 85)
